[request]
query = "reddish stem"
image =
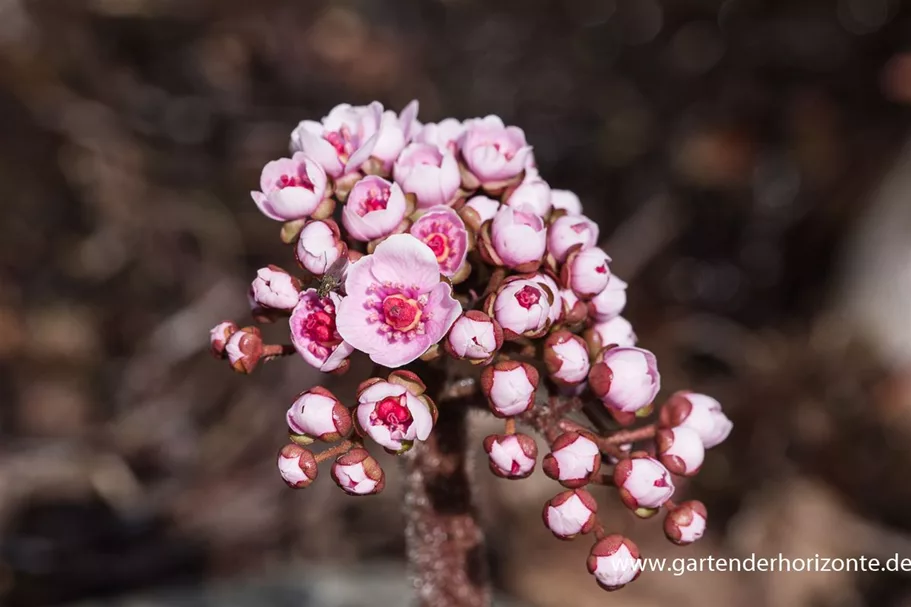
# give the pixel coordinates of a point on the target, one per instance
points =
(510, 426)
(337, 450)
(271, 351)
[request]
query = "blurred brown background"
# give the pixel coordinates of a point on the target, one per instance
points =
(747, 162)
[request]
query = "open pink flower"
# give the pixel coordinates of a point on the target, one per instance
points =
(443, 135)
(431, 175)
(343, 140)
(293, 188)
(392, 416)
(493, 152)
(395, 132)
(396, 306)
(444, 232)
(314, 333)
(375, 208)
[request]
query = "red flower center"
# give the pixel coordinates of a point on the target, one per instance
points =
(295, 181)
(514, 469)
(390, 412)
(341, 141)
(320, 327)
(528, 296)
(439, 244)
(661, 482)
(401, 313)
(376, 200)
(602, 269)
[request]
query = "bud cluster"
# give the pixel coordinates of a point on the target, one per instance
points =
(440, 246)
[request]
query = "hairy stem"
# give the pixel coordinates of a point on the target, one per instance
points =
(444, 539)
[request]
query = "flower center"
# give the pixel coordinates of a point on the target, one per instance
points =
(528, 296)
(661, 482)
(341, 141)
(514, 468)
(506, 150)
(401, 313)
(376, 200)
(390, 412)
(295, 181)
(320, 327)
(602, 269)
(439, 244)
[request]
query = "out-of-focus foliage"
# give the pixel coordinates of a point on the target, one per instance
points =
(729, 150)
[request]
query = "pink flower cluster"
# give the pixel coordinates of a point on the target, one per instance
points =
(424, 245)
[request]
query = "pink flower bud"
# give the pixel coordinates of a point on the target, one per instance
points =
(494, 153)
(610, 302)
(343, 140)
(510, 387)
(394, 133)
(569, 231)
(516, 238)
(375, 208)
(680, 450)
(614, 332)
(566, 357)
(320, 245)
(475, 336)
(570, 513)
(556, 315)
(358, 473)
(511, 456)
(297, 466)
(686, 523)
(564, 200)
(573, 460)
(218, 337)
(275, 289)
(444, 232)
(532, 193)
(699, 413)
(392, 416)
(293, 188)
(444, 135)
(244, 349)
(431, 175)
(643, 483)
(318, 414)
(615, 562)
(485, 208)
(625, 379)
(575, 312)
(522, 307)
(315, 335)
(586, 271)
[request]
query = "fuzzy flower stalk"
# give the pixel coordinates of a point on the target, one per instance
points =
(439, 253)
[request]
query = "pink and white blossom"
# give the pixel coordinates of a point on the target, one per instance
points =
(343, 140)
(700, 413)
(685, 524)
(358, 473)
(569, 231)
(615, 562)
(293, 188)
(570, 514)
(319, 246)
(395, 132)
(297, 466)
(318, 414)
(680, 450)
(566, 357)
(431, 175)
(517, 239)
(375, 208)
(522, 307)
(494, 153)
(586, 271)
(564, 200)
(511, 456)
(625, 379)
(510, 387)
(396, 306)
(617, 332)
(475, 336)
(218, 337)
(644, 483)
(533, 193)
(444, 232)
(444, 135)
(314, 332)
(244, 349)
(276, 289)
(573, 460)
(392, 416)
(479, 210)
(609, 303)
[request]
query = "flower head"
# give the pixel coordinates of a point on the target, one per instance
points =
(569, 231)
(244, 349)
(431, 175)
(573, 460)
(293, 188)
(342, 141)
(297, 466)
(475, 336)
(392, 415)
(275, 289)
(511, 456)
(680, 450)
(586, 271)
(613, 562)
(375, 208)
(218, 337)
(358, 473)
(614, 332)
(318, 414)
(522, 307)
(443, 135)
(510, 387)
(570, 513)
(533, 193)
(444, 232)
(396, 307)
(686, 523)
(566, 357)
(494, 153)
(609, 303)
(700, 413)
(625, 379)
(516, 239)
(644, 484)
(319, 246)
(314, 332)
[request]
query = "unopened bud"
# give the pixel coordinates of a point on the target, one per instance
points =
(475, 336)
(318, 414)
(510, 387)
(275, 289)
(320, 246)
(566, 357)
(625, 379)
(245, 349)
(297, 466)
(586, 271)
(573, 460)
(644, 484)
(358, 473)
(686, 523)
(613, 562)
(570, 513)
(680, 450)
(218, 337)
(512, 456)
(699, 413)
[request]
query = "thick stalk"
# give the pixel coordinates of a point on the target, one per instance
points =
(445, 542)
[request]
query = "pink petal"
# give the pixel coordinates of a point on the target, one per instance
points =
(402, 258)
